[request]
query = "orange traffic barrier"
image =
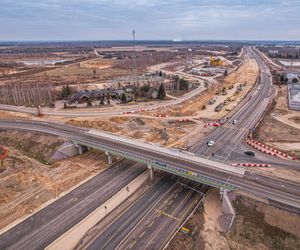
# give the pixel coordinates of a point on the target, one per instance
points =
(5, 153)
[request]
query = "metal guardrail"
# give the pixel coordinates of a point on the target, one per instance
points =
(162, 166)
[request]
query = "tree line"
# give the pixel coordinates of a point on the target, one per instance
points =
(30, 95)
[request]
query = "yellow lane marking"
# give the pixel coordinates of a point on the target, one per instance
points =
(168, 215)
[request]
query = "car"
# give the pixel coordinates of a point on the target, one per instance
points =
(250, 153)
(234, 121)
(210, 143)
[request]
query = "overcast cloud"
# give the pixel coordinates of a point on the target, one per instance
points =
(165, 19)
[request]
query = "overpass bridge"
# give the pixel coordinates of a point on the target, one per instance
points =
(185, 164)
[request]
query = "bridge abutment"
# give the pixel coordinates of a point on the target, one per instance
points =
(227, 206)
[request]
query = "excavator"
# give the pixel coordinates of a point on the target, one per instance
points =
(215, 62)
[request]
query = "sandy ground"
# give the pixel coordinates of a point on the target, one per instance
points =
(247, 73)
(280, 128)
(147, 129)
(212, 232)
(97, 63)
(13, 115)
(292, 118)
(26, 183)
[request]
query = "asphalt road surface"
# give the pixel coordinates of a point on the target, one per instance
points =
(273, 190)
(118, 229)
(157, 228)
(152, 219)
(229, 137)
(45, 226)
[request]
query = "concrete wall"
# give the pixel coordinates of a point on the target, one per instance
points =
(294, 96)
(67, 150)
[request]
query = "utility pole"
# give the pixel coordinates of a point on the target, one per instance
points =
(134, 68)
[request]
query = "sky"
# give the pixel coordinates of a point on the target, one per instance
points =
(152, 19)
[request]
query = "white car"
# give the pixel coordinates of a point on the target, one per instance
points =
(234, 121)
(210, 143)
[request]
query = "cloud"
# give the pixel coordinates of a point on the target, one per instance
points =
(155, 19)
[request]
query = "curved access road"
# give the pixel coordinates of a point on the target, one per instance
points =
(107, 112)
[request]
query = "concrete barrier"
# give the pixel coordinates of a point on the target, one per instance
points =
(71, 238)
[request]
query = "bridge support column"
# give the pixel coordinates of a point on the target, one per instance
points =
(151, 172)
(80, 149)
(109, 158)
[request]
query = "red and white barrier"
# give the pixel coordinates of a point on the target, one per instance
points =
(251, 165)
(214, 124)
(160, 115)
(5, 153)
(266, 149)
(183, 120)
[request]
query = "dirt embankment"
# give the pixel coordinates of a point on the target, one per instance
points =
(146, 129)
(37, 146)
(257, 226)
(279, 127)
(26, 182)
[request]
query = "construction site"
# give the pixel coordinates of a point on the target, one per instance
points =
(173, 96)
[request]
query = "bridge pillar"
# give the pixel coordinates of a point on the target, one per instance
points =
(109, 158)
(151, 172)
(80, 149)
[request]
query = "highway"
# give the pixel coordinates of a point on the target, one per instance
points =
(157, 228)
(230, 138)
(45, 226)
(200, 170)
(119, 228)
(139, 226)
(151, 220)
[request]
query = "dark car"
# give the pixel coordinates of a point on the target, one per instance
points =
(251, 153)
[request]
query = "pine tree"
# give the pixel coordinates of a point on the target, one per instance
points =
(161, 92)
(123, 98)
